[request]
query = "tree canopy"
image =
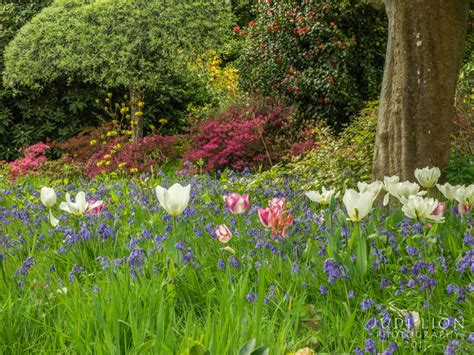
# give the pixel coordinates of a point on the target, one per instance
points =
(113, 43)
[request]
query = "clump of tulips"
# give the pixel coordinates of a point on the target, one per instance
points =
(79, 207)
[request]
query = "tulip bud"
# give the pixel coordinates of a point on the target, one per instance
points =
(48, 197)
(463, 208)
(223, 233)
(440, 209)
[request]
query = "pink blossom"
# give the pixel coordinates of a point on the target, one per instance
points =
(237, 203)
(223, 233)
(277, 204)
(95, 207)
(440, 209)
(462, 208)
(276, 217)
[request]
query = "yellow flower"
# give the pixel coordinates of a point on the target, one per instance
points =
(109, 95)
(163, 120)
(107, 156)
(92, 142)
(117, 146)
(121, 165)
(107, 100)
(107, 162)
(141, 103)
(100, 163)
(133, 170)
(139, 113)
(111, 133)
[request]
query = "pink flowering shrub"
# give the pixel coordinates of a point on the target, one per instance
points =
(258, 134)
(34, 157)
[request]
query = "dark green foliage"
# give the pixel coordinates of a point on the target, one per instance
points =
(28, 116)
(326, 57)
(460, 170)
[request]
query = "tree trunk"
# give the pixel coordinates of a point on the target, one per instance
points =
(136, 105)
(424, 53)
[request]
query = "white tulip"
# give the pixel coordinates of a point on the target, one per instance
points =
(448, 190)
(358, 204)
(373, 187)
(323, 197)
(175, 199)
(402, 190)
(80, 205)
(417, 207)
(48, 197)
(427, 177)
(388, 182)
(464, 195)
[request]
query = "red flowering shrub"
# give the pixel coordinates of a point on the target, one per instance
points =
(34, 157)
(324, 57)
(139, 156)
(79, 147)
(258, 134)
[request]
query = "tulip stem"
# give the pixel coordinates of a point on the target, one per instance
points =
(175, 232)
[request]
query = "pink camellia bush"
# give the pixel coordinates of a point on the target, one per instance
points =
(276, 217)
(237, 203)
(30, 163)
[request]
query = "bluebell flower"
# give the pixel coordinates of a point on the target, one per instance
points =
(366, 304)
(251, 297)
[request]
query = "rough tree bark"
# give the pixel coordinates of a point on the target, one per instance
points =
(136, 97)
(424, 53)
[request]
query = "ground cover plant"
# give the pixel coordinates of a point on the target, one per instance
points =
(146, 265)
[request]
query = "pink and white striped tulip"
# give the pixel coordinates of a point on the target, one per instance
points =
(223, 233)
(277, 204)
(95, 207)
(236, 203)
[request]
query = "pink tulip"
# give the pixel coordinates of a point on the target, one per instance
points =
(276, 217)
(237, 203)
(277, 204)
(95, 207)
(264, 217)
(223, 233)
(440, 209)
(462, 208)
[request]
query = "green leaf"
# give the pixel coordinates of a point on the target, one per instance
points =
(198, 349)
(263, 350)
(248, 347)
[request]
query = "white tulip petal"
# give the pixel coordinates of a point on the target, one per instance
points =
(53, 220)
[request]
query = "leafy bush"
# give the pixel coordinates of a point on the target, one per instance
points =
(252, 134)
(324, 56)
(460, 169)
(338, 161)
(82, 146)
